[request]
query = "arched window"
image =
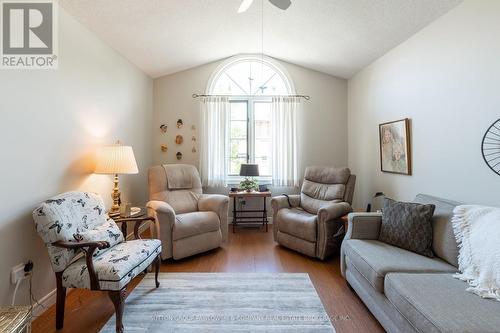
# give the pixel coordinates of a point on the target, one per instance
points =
(250, 76)
(250, 82)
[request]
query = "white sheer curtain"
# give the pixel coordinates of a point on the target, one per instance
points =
(213, 126)
(284, 137)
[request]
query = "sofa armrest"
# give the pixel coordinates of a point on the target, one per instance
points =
(333, 211)
(218, 204)
(363, 225)
(164, 216)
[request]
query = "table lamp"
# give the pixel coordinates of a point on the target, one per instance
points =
(116, 160)
(249, 171)
(377, 202)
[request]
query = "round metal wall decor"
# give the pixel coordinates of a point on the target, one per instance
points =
(491, 147)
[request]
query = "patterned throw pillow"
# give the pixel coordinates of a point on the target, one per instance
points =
(108, 231)
(407, 225)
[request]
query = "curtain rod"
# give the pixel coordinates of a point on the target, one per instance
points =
(306, 97)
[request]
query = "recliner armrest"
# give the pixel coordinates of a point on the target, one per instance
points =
(164, 216)
(363, 226)
(212, 202)
(218, 204)
(162, 212)
(333, 211)
(281, 201)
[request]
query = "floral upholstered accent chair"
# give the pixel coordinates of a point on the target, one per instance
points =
(88, 250)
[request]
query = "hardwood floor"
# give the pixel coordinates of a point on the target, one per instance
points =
(248, 250)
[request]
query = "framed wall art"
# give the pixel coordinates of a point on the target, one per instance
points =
(395, 148)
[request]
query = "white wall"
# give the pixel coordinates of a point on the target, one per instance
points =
(51, 122)
(322, 123)
(446, 78)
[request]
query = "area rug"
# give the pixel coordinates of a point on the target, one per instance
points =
(224, 302)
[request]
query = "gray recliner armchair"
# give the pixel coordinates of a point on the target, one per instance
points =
(309, 222)
(188, 221)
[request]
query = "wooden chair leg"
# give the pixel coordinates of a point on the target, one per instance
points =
(157, 270)
(118, 299)
(60, 301)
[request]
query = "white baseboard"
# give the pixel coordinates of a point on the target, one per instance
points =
(43, 304)
(50, 299)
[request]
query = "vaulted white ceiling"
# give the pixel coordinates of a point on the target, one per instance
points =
(338, 37)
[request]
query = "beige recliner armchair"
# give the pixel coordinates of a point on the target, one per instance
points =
(188, 222)
(309, 222)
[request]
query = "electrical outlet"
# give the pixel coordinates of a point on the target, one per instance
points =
(17, 273)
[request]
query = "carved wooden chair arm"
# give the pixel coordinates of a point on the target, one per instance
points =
(88, 248)
(80, 245)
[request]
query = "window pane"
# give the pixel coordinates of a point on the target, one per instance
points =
(263, 147)
(239, 73)
(276, 86)
(261, 73)
(238, 129)
(238, 148)
(225, 86)
(239, 111)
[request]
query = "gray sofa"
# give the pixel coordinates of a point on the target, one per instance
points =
(408, 292)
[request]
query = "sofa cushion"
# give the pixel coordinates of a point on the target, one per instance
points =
(192, 224)
(298, 223)
(408, 226)
(444, 244)
(439, 303)
(374, 259)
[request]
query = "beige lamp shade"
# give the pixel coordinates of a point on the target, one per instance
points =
(116, 159)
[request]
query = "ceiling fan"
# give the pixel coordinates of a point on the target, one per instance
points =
(281, 4)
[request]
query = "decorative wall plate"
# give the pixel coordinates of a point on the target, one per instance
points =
(179, 155)
(179, 123)
(164, 148)
(179, 139)
(193, 138)
(163, 128)
(193, 150)
(490, 147)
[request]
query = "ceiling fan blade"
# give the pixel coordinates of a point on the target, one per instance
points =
(281, 4)
(245, 4)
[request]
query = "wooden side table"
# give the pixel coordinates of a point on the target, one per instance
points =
(138, 218)
(15, 319)
(238, 214)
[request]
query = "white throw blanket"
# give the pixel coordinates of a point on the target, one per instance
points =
(477, 230)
